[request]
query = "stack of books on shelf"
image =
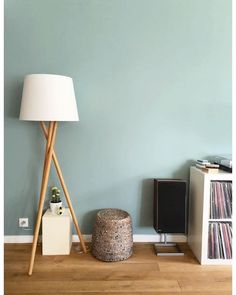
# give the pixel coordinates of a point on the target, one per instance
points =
(220, 225)
(207, 167)
(220, 240)
(220, 200)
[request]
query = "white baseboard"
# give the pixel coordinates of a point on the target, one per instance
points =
(137, 239)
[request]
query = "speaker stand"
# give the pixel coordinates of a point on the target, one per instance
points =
(165, 244)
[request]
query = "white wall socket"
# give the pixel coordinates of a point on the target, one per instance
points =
(23, 222)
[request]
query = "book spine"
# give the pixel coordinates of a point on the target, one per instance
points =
(229, 195)
(221, 200)
(209, 255)
(200, 166)
(227, 243)
(217, 250)
(229, 234)
(211, 202)
(216, 201)
(227, 201)
(223, 241)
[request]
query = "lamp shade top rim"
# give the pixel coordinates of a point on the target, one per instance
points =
(47, 75)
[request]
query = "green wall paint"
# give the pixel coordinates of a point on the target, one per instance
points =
(153, 86)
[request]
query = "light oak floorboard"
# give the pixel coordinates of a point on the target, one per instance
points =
(143, 273)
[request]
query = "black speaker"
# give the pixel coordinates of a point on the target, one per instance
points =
(170, 206)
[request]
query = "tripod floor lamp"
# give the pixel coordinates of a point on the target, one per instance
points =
(49, 98)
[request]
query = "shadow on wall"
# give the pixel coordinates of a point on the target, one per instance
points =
(13, 102)
(89, 219)
(146, 208)
(183, 171)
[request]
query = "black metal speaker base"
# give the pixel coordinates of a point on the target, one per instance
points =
(165, 244)
(178, 253)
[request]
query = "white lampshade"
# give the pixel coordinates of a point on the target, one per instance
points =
(48, 98)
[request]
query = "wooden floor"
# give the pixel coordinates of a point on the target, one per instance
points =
(143, 273)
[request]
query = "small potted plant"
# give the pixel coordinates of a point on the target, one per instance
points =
(55, 202)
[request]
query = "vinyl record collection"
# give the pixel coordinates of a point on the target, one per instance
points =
(220, 240)
(220, 232)
(221, 200)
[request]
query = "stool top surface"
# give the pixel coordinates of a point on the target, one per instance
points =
(49, 214)
(113, 214)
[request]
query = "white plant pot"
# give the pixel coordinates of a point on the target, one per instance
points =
(55, 206)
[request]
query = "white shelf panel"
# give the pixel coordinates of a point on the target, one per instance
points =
(218, 262)
(221, 175)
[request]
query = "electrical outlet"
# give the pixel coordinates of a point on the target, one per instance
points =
(23, 222)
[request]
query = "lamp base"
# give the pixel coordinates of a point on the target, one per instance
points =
(50, 155)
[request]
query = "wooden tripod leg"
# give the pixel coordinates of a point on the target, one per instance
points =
(63, 184)
(49, 139)
(48, 156)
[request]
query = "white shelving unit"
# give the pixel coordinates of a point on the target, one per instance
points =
(199, 217)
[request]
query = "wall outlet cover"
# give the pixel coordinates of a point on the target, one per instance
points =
(23, 222)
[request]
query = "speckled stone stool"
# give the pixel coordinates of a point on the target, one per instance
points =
(112, 238)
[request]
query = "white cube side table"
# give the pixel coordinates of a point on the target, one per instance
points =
(56, 233)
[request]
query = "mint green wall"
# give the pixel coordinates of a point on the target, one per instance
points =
(153, 86)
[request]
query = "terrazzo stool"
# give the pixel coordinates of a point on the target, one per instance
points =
(112, 238)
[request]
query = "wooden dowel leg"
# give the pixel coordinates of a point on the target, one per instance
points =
(48, 156)
(49, 139)
(63, 184)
